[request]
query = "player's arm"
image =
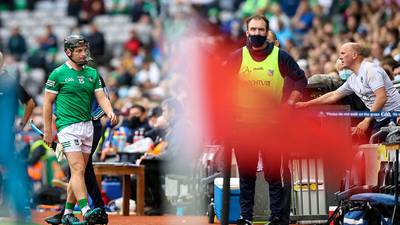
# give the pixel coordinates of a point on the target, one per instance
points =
(48, 100)
(106, 105)
(295, 79)
(103, 101)
(51, 90)
(378, 104)
(294, 97)
(29, 103)
(328, 98)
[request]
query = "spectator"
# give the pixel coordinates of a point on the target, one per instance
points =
(144, 29)
(289, 7)
(174, 147)
(149, 76)
(48, 42)
(97, 44)
(74, 8)
(392, 38)
(17, 44)
(142, 7)
(118, 7)
(377, 52)
(133, 44)
(157, 128)
(90, 9)
(302, 20)
(153, 115)
(390, 65)
(136, 121)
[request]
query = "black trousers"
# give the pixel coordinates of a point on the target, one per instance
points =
(279, 183)
(90, 177)
(154, 169)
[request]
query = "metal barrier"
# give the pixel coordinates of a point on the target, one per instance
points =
(308, 191)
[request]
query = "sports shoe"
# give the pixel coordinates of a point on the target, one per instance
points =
(92, 216)
(101, 216)
(70, 219)
(277, 221)
(54, 220)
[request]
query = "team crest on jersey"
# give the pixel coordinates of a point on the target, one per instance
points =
(81, 81)
(76, 141)
(270, 73)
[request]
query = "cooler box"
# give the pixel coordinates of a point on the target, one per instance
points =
(112, 189)
(234, 206)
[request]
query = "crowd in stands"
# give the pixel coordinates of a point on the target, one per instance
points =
(130, 41)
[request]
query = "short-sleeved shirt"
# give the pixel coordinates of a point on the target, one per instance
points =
(22, 95)
(75, 92)
(369, 78)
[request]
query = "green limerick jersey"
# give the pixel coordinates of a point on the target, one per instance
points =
(75, 92)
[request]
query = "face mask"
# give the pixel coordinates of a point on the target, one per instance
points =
(135, 122)
(257, 40)
(345, 73)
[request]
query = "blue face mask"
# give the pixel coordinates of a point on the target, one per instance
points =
(345, 73)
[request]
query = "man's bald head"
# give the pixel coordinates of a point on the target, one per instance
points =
(351, 54)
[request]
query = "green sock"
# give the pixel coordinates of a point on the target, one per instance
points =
(82, 203)
(69, 208)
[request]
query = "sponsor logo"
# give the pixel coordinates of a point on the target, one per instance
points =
(245, 70)
(76, 141)
(259, 83)
(258, 68)
(69, 79)
(90, 80)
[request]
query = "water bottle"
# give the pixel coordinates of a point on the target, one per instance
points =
(121, 141)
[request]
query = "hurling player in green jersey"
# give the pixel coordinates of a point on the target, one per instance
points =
(72, 87)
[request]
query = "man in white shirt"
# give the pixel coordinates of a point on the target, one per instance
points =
(369, 82)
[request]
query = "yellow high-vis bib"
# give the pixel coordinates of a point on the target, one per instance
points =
(260, 82)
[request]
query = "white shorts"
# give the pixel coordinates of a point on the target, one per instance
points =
(77, 137)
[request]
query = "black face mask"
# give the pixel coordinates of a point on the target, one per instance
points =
(135, 122)
(257, 40)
